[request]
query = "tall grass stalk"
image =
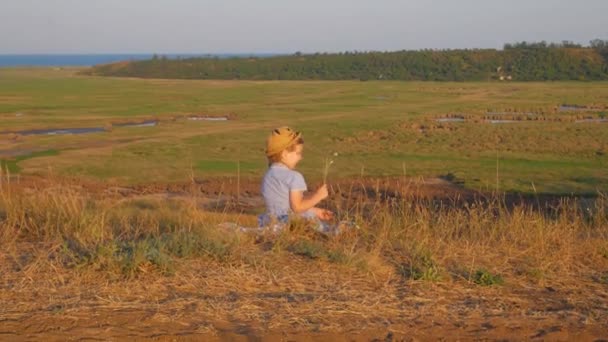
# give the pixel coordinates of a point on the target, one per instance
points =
(328, 163)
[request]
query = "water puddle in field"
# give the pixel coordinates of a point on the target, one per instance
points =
(149, 123)
(500, 121)
(573, 108)
(208, 118)
(450, 120)
(591, 121)
(511, 113)
(89, 130)
(81, 130)
(57, 131)
(496, 117)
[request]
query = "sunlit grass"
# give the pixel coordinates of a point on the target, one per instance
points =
(482, 242)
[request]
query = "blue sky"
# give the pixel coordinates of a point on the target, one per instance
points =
(286, 26)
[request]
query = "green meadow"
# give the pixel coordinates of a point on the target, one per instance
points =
(377, 128)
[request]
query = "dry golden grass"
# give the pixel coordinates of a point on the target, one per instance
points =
(87, 261)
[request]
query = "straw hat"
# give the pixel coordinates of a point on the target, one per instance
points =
(280, 139)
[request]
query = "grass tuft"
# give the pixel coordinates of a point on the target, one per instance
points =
(484, 278)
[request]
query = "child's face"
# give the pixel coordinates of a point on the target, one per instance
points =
(291, 159)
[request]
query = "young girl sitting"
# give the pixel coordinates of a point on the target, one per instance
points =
(283, 187)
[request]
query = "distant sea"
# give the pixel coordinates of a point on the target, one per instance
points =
(94, 59)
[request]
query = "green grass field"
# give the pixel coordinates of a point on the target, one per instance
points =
(377, 128)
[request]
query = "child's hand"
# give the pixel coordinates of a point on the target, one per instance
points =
(322, 192)
(324, 214)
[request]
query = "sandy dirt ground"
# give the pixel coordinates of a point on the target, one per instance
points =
(301, 302)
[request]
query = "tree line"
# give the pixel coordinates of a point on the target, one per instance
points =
(522, 61)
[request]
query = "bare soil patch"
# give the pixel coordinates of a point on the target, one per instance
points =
(302, 301)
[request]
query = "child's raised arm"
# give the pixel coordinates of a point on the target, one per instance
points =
(299, 203)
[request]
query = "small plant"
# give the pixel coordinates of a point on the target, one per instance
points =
(134, 255)
(604, 252)
(188, 244)
(485, 278)
(317, 250)
(73, 254)
(337, 257)
(309, 249)
(421, 267)
(536, 273)
(430, 273)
